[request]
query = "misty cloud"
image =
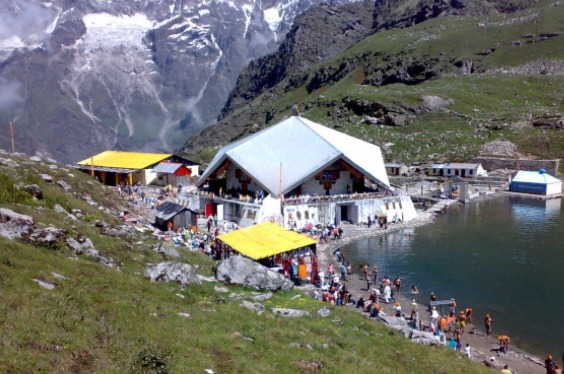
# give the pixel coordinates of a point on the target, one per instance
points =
(10, 94)
(24, 18)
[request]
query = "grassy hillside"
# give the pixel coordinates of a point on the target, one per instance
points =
(108, 320)
(503, 73)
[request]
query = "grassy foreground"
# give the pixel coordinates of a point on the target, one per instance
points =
(114, 321)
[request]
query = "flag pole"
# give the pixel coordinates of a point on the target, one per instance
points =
(12, 136)
(281, 199)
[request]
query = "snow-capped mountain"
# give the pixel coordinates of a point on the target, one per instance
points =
(81, 76)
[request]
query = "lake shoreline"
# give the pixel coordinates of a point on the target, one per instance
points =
(483, 348)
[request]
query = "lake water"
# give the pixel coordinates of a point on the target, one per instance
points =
(503, 256)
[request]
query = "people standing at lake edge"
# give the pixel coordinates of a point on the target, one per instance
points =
(479, 345)
(488, 325)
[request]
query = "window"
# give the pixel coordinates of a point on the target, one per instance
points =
(306, 214)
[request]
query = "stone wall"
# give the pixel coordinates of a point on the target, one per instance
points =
(493, 163)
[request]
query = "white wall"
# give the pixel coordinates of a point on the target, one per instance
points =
(553, 188)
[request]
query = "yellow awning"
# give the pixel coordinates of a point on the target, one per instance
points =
(125, 160)
(265, 240)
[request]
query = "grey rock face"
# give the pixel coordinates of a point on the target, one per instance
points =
(112, 230)
(34, 190)
(13, 225)
(48, 236)
(257, 307)
(64, 185)
(9, 163)
(47, 286)
(166, 62)
(286, 312)
(172, 272)
(46, 177)
(243, 271)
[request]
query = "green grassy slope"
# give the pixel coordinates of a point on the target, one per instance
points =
(106, 320)
(513, 58)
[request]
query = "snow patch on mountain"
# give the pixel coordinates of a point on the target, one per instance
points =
(272, 17)
(109, 31)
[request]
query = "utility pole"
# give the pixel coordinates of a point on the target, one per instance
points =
(12, 136)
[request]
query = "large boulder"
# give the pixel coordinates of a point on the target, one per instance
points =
(242, 271)
(287, 312)
(115, 230)
(13, 225)
(34, 190)
(48, 236)
(172, 272)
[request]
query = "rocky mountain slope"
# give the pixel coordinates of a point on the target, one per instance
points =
(141, 75)
(452, 77)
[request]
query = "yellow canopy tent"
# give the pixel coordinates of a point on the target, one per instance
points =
(125, 160)
(265, 240)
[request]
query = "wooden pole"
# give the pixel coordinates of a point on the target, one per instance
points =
(12, 136)
(281, 199)
(92, 166)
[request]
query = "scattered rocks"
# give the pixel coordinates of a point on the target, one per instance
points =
(47, 237)
(257, 307)
(430, 103)
(243, 271)
(46, 177)
(172, 272)
(64, 185)
(47, 286)
(35, 158)
(13, 225)
(60, 209)
(83, 245)
(9, 163)
(185, 315)
(324, 312)
(34, 190)
(166, 249)
(116, 230)
(59, 276)
(499, 148)
(286, 312)
(300, 345)
(308, 366)
(221, 289)
(262, 296)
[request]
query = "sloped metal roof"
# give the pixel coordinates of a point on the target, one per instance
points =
(303, 148)
(535, 177)
(168, 209)
(167, 167)
(125, 160)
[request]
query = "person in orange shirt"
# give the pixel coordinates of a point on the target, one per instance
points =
(504, 343)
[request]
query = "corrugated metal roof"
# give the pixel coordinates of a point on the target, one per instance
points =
(167, 167)
(535, 177)
(455, 165)
(265, 240)
(125, 160)
(168, 209)
(303, 148)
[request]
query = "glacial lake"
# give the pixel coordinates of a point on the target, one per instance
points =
(503, 256)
